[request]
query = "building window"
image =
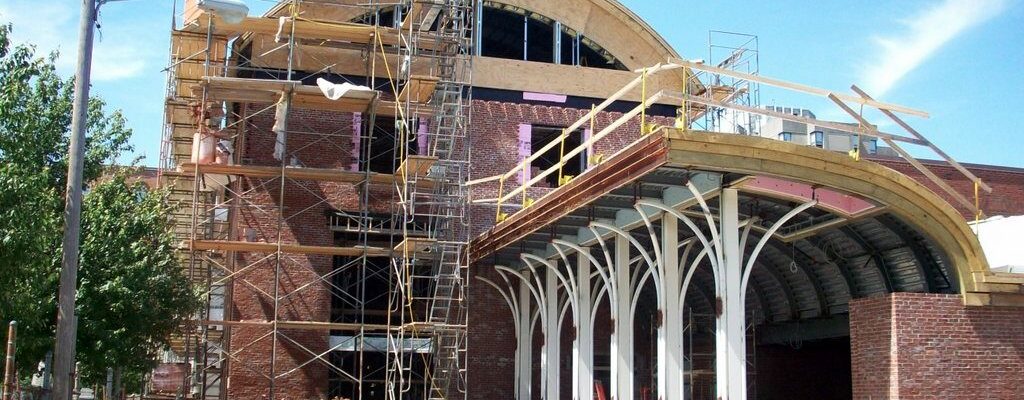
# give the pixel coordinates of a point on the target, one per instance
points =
(506, 31)
(786, 136)
(872, 146)
(514, 33)
(382, 152)
(541, 136)
(819, 139)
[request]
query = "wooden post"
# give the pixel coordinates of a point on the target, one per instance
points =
(8, 390)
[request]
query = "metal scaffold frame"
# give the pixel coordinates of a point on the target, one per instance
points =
(418, 72)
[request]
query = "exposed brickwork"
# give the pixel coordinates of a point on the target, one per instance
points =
(1007, 197)
(492, 338)
(927, 346)
(494, 136)
(324, 142)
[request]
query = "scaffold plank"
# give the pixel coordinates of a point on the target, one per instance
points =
(265, 247)
(282, 27)
(415, 166)
(310, 325)
(296, 173)
(418, 89)
(250, 90)
(415, 247)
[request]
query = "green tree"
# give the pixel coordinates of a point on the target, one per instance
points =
(132, 292)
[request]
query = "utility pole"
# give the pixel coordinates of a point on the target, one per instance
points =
(9, 378)
(67, 321)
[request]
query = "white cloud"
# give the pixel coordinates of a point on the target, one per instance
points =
(43, 24)
(926, 32)
(119, 50)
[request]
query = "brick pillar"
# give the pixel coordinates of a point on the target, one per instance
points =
(925, 346)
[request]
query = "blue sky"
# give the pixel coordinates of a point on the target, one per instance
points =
(960, 60)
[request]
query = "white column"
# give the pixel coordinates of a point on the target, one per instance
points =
(549, 363)
(622, 350)
(731, 356)
(583, 347)
(524, 347)
(672, 315)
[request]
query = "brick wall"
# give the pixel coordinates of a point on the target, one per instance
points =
(1007, 197)
(494, 136)
(926, 346)
(318, 140)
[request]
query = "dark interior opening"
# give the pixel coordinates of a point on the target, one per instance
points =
(503, 37)
(541, 136)
(818, 369)
(380, 153)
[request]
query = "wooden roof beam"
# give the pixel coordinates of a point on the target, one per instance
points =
(303, 28)
(903, 124)
(798, 87)
(906, 156)
(789, 117)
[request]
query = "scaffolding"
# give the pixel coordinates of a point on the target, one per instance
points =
(735, 52)
(395, 269)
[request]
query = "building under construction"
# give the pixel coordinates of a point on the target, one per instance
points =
(441, 199)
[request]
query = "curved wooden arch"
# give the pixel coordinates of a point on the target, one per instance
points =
(607, 23)
(912, 202)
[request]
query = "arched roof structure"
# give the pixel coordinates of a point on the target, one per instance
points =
(874, 230)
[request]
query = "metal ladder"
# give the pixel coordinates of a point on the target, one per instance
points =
(444, 202)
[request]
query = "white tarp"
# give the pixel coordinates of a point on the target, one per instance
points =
(1000, 238)
(335, 91)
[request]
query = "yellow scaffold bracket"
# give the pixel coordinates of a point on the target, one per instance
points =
(977, 203)
(565, 179)
(561, 157)
(643, 103)
(854, 154)
(498, 215)
(681, 113)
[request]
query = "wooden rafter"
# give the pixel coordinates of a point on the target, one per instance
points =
(869, 128)
(798, 87)
(903, 124)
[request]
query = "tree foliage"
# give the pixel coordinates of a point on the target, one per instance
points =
(132, 292)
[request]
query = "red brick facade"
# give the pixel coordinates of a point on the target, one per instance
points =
(929, 346)
(1007, 197)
